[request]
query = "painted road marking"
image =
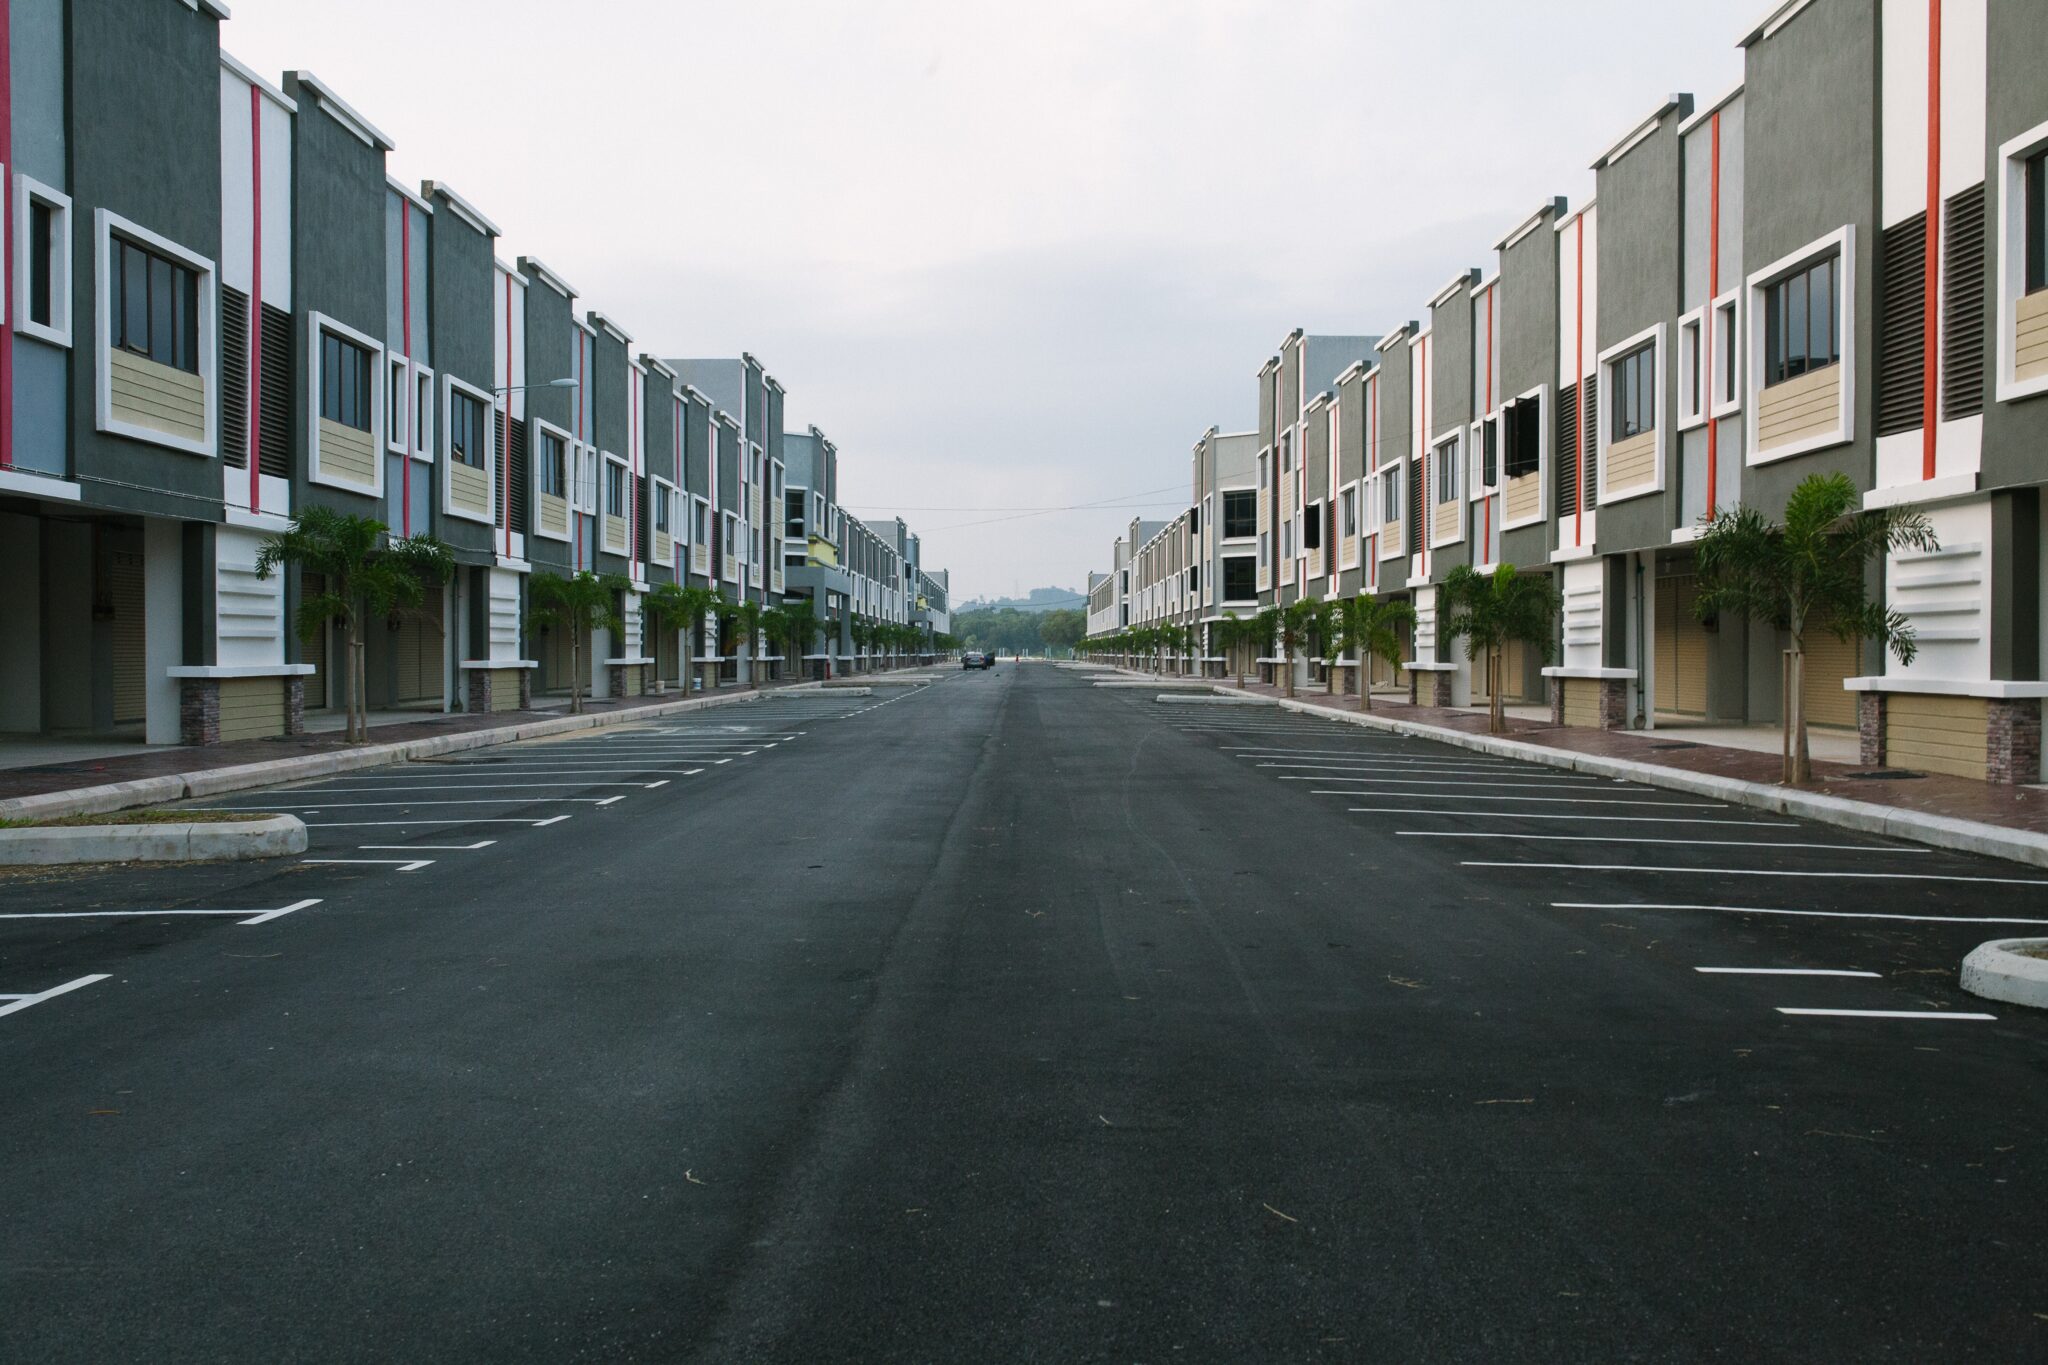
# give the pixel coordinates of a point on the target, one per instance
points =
(1384, 780)
(257, 916)
(1775, 872)
(1541, 815)
(1889, 1014)
(396, 864)
(408, 824)
(427, 848)
(315, 807)
(460, 787)
(1802, 914)
(1626, 839)
(1781, 971)
(1548, 800)
(17, 1003)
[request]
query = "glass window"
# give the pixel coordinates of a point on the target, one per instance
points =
(1312, 527)
(1390, 495)
(42, 261)
(1632, 394)
(1801, 329)
(2037, 220)
(554, 465)
(467, 443)
(614, 489)
(1350, 512)
(1446, 472)
(1240, 578)
(1724, 353)
(661, 497)
(1689, 360)
(423, 414)
(1240, 512)
(344, 382)
(157, 314)
(1489, 453)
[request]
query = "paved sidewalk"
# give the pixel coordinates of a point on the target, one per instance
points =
(1952, 812)
(271, 759)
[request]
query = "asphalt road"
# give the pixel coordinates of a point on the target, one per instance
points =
(1017, 1019)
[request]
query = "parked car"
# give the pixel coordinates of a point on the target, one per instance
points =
(973, 660)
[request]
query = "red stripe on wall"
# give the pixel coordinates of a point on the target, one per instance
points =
(505, 453)
(255, 299)
(405, 307)
(1707, 326)
(7, 232)
(1579, 381)
(1930, 340)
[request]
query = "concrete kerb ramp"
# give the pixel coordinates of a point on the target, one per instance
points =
(156, 842)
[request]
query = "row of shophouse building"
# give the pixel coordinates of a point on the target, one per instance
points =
(1841, 265)
(220, 310)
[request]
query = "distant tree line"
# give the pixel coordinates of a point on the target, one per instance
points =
(1006, 630)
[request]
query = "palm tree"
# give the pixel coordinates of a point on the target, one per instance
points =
(364, 570)
(579, 603)
(1809, 571)
(1490, 611)
(667, 607)
(1225, 635)
(1325, 628)
(1371, 626)
(1262, 630)
(695, 604)
(1295, 620)
(747, 614)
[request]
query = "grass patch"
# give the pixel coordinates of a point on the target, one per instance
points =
(143, 817)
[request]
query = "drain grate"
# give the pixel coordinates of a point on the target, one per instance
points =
(1674, 746)
(1884, 775)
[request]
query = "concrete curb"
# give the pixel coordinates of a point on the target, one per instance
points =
(1197, 699)
(1936, 831)
(204, 841)
(1996, 971)
(151, 791)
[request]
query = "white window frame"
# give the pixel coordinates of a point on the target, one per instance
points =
(1476, 487)
(1727, 314)
(1393, 480)
(1541, 395)
(2011, 266)
(106, 224)
(1660, 429)
(316, 325)
(1692, 337)
(536, 428)
(1842, 240)
(1439, 462)
(700, 521)
(625, 513)
(28, 190)
(397, 383)
(446, 443)
(665, 501)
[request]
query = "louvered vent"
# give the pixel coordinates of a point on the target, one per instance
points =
(234, 369)
(522, 476)
(1567, 460)
(274, 437)
(1592, 421)
(1962, 321)
(1416, 478)
(1901, 318)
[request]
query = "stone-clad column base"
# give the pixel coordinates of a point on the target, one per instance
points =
(1614, 703)
(1440, 688)
(1870, 729)
(199, 711)
(2012, 740)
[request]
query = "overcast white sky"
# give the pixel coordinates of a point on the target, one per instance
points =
(1007, 255)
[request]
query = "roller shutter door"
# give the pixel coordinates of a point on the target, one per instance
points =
(124, 589)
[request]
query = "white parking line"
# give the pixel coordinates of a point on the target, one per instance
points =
(1625, 839)
(1547, 800)
(1890, 1014)
(258, 916)
(463, 787)
(1774, 872)
(17, 1003)
(1384, 780)
(1800, 914)
(427, 848)
(396, 864)
(408, 824)
(1781, 971)
(317, 806)
(1542, 815)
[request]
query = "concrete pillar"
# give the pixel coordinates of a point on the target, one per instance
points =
(21, 623)
(163, 637)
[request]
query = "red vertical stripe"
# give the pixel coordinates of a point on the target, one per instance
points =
(633, 466)
(405, 327)
(505, 445)
(1707, 326)
(7, 233)
(255, 299)
(1486, 499)
(1579, 379)
(1930, 342)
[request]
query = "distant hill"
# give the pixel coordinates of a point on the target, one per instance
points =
(1038, 599)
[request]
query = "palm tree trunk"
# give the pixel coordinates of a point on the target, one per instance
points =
(351, 732)
(575, 671)
(1496, 710)
(1287, 666)
(1800, 762)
